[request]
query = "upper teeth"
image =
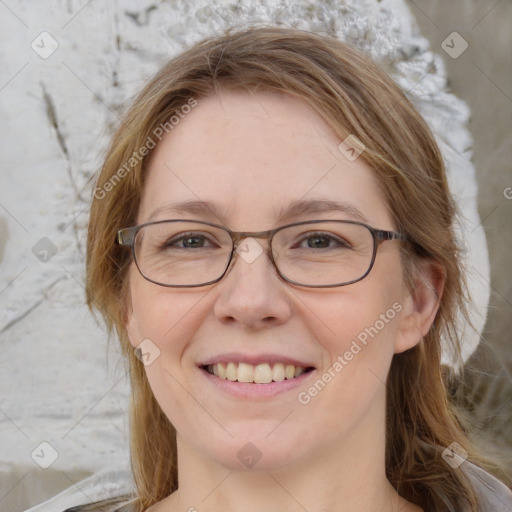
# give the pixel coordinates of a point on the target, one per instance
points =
(259, 374)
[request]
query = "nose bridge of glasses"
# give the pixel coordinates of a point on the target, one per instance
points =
(239, 236)
(247, 251)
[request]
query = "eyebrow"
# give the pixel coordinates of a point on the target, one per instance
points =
(292, 211)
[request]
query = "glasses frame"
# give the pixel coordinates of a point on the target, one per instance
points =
(126, 238)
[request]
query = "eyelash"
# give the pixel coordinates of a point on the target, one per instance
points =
(305, 236)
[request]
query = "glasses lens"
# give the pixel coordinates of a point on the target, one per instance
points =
(323, 253)
(326, 253)
(182, 253)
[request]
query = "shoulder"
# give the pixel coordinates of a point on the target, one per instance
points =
(121, 504)
(493, 495)
(105, 491)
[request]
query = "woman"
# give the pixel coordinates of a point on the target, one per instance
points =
(272, 239)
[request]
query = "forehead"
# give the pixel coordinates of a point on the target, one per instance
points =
(251, 155)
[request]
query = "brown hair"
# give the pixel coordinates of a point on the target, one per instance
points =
(355, 97)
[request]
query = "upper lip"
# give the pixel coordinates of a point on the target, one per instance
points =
(254, 359)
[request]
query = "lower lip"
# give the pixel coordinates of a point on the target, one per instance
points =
(255, 391)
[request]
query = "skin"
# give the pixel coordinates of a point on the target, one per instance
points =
(250, 154)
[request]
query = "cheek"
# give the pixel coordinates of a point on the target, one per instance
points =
(351, 386)
(359, 326)
(166, 321)
(161, 315)
(368, 319)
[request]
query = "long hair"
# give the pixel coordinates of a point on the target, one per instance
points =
(355, 96)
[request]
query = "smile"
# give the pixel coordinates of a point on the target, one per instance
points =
(263, 373)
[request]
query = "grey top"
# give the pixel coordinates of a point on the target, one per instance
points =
(494, 496)
(115, 486)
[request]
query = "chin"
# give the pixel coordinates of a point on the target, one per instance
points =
(255, 453)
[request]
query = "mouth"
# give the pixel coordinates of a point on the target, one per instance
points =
(263, 373)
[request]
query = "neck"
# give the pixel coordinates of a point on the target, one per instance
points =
(348, 476)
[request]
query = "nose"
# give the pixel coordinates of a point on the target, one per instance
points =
(251, 293)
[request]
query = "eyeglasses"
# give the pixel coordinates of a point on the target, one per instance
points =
(316, 254)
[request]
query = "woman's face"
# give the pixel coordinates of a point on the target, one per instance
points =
(252, 156)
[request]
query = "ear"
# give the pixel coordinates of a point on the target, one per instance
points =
(420, 304)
